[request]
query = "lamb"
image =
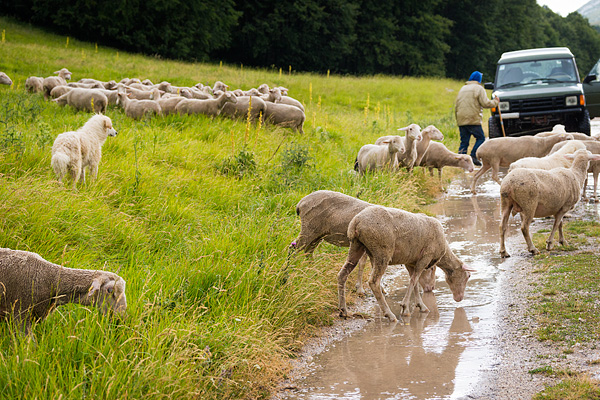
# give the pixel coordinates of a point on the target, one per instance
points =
(74, 151)
(168, 104)
(501, 152)
(374, 156)
(200, 95)
(407, 157)
(210, 107)
(5, 80)
(438, 156)
(325, 215)
(84, 99)
(553, 160)
(147, 82)
(35, 84)
(50, 82)
(138, 109)
(284, 115)
(111, 95)
(31, 287)
(594, 147)
(240, 108)
(393, 236)
(427, 135)
(539, 193)
(251, 92)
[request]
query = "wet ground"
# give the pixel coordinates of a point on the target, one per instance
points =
(453, 352)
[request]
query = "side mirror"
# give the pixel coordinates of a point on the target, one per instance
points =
(488, 85)
(589, 78)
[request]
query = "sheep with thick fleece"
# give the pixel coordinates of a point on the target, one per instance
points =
(553, 160)
(408, 156)
(503, 151)
(239, 109)
(325, 215)
(137, 94)
(210, 107)
(58, 91)
(393, 236)
(536, 193)
(438, 156)
(272, 96)
(168, 104)
(34, 84)
(94, 85)
(375, 156)
(75, 151)
(50, 82)
(220, 86)
(31, 288)
(428, 134)
(5, 80)
(110, 85)
(290, 101)
(592, 146)
(576, 135)
(284, 115)
(92, 100)
(138, 109)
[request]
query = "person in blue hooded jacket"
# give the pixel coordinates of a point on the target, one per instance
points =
(468, 107)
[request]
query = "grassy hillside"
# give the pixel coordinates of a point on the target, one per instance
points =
(196, 214)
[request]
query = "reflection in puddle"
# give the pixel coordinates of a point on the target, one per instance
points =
(439, 354)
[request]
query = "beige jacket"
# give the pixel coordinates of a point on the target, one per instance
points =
(470, 102)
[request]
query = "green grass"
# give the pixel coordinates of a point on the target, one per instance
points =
(196, 214)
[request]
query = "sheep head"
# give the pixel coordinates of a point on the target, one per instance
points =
(413, 131)
(107, 292)
(457, 281)
(433, 132)
(465, 162)
(64, 73)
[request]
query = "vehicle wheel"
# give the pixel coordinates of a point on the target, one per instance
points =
(494, 128)
(584, 125)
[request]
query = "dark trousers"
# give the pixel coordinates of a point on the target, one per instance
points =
(466, 131)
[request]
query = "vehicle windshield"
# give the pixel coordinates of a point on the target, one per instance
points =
(536, 72)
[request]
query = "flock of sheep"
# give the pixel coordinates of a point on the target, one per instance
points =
(546, 177)
(143, 98)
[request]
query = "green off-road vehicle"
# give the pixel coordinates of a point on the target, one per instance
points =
(538, 88)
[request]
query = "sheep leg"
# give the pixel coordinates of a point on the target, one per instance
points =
(477, 175)
(595, 173)
(506, 211)
(359, 280)
(357, 250)
(415, 273)
(583, 194)
(427, 279)
(527, 218)
(93, 172)
(495, 170)
(557, 225)
(430, 171)
(379, 265)
(440, 176)
(561, 237)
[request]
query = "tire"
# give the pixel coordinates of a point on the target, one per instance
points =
(494, 128)
(584, 125)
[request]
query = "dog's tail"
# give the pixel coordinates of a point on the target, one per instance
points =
(60, 164)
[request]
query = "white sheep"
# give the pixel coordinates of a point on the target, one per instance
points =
(325, 215)
(210, 107)
(384, 156)
(408, 156)
(34, 84)
(438, 156)
(58, 91)
(264, 88)
(290, 101)
(110, 85)
(273, 96)
(138, 109)
(5, 80)
(553, 160)
(50, 82)
(503, 151)
(200, 95)
(75, 151)
(92, 100)
(284, 115)
(145, 94)
(536, 193)
(220, 86)
(93, 85)
(31, 288)
(239, 109)
(168, 104)
(594, 147)
(393, 236)
(428, 134)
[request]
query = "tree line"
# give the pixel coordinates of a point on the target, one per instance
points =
(437, 38)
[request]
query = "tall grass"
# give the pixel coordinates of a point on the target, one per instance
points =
(196, 214)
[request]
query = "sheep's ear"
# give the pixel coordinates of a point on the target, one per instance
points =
(403, 129)
(96, 285)
(464, 267)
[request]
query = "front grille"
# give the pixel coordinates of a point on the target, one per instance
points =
(542, 104)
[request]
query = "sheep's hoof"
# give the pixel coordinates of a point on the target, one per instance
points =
(391, 317)
(423, 307)
(360, 292)
(504, 254)
(534, 251)
(345, 314)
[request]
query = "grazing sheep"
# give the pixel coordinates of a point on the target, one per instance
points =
(284, 91)
(35, 84)
(84, 99)
(594, 147)
(374, 156)
(393, 236)
(58, 91)
(110, 85)
(137, 94)
(168, 104)
(428, 134)
(138, 109)
(50, 82)
(31, 287)
(576, 135)
(284, 115)
(538, 193)
(74, 151)
(325, 215)
(5, 80)
(290, 101)
(111, 95)
(438, 156)
(81, 85)
(240, 108)
(553, 160)
(147, 82)
(210, 107)
(200, 95)
(128, 81)
(503, 151)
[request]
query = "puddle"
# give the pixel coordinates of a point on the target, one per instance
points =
(443, 354)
